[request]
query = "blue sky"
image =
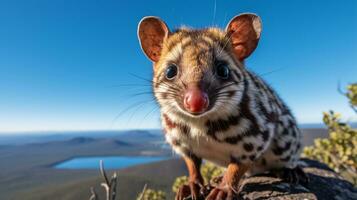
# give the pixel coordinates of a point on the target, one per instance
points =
(63, 63)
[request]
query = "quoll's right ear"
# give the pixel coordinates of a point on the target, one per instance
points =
(151, 32)
(244, 32)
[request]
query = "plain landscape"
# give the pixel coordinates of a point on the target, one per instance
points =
(27, 163)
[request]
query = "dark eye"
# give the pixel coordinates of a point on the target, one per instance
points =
(222, 71)
(171, 71)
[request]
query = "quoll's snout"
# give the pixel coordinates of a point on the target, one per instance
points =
(195, 100)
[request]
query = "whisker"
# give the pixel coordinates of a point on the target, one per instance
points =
(226, 92)
(225, 86)
(152, 81)
(136, 110)
(147, 114)
(128, 85)
(141, 78)
(214, 12)
(130, 107)
(270, 72)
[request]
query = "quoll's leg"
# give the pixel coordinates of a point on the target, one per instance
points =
(294, 176)
(183, 192)
(193, 164)
(228, 187)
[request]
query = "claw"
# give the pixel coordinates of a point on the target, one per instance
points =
(213, 194)
(223, 191)
(195, 190)
(230, 195)
(192, 191)
(183, 192)
(220, 194)
(224, 187)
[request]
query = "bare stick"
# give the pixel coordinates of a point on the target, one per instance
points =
(113, 185)
(110, 187)
(102, 171)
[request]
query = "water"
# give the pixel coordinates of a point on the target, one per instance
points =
(110, 162)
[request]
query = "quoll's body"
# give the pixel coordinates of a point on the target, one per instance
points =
(212, 107)
(257, 128)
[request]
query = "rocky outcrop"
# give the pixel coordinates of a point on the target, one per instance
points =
(324, 184)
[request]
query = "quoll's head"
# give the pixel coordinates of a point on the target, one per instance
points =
(198, 72)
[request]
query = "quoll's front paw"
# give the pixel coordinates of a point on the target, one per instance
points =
(222, 193)
(191, 192)
(183, 192)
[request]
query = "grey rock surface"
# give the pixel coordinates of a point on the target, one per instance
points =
(324, 184)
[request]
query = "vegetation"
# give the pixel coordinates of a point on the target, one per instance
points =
(339, 150)
(149, 194)
(208, 171)
(352, 96)
(180, 181)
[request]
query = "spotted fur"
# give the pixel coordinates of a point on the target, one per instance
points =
(246, 120)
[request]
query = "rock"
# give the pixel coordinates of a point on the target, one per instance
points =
(324, 184)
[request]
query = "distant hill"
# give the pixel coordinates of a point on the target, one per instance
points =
(139, 136)
(20, 138)
(81, 140)
(321, 125)
(77, 143)
(89, 140)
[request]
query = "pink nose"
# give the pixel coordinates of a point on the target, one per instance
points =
(195, 100)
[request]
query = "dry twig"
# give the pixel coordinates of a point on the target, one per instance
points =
(110, 186)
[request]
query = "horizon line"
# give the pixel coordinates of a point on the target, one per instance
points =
(353, 124)
(321, 125)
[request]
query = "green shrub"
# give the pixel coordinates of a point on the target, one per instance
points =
(339, 150)
(150, 194)
(208, 171)
(179, 181)
(352, 95)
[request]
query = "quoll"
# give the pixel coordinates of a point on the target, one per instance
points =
(212, 107)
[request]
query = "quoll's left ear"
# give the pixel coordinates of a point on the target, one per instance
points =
(244, 32)
(152, 32)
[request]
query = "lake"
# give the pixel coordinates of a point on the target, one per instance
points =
(110, 162)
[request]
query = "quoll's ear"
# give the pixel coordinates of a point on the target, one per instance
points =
(151, 32)
(244, 32)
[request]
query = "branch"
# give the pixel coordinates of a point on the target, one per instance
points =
(102, 171)
(110, 187)
(113, 185)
